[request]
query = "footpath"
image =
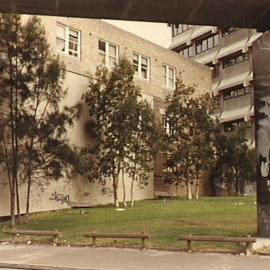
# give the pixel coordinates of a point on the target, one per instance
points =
(58, 258)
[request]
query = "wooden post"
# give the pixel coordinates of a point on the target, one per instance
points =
(248, 247)
(94, 241)
(143, 243)
(13, 238)
(55, 240)
(189, 244)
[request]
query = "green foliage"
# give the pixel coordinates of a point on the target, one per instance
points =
(189, 136)
(235, 160)
(122, 126)
(33, 124)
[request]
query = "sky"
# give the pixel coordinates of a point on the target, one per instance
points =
(158, 33)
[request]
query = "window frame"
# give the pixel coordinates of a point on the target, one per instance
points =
(234, 59)
(236, 92)
(203, 44)
(107, 52)
(139, 65)
(234, 125)
(186, 51)
(167, 76)
(67, 40)
(180, 29)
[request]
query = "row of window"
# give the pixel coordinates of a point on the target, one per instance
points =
(235, 59)
(227, 62)
(68, 42)
(201, 46)
(236, 92)
(207, 43)
(176, 30)
(232, 126)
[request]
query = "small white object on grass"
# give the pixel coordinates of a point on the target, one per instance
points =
(239, 203)
(120, 209)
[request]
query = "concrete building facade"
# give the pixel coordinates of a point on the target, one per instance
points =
(228, 53)
(84, 44)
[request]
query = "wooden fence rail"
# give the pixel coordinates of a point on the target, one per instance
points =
(141, 236)
(18, 233)
(247, 240)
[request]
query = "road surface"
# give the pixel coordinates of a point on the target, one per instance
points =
(56, 258)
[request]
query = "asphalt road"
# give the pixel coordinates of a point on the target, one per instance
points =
(56, 258)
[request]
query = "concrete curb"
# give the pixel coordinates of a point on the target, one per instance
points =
(42, 267)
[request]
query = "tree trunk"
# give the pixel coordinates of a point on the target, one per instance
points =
(115, 187)
(28, 197)
(14, 161)
(189, 190)
(124, 187)
(16, 134)
(18, 202)
(29, 182)
(10, 180)
(197, 187)
(237, 186)
(132, 186)
(12, 208)
(132, 193)
(115, 191)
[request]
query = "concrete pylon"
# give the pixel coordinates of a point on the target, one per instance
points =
(261, 69)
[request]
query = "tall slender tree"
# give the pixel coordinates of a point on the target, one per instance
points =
(34, 126)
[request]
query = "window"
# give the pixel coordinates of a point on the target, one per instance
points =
(186, 51)
(141, 64)
(108, 53)
(232, 126)
(235, 59)
(236, 92)
(168, 127)
(207, 43)
(68, 40)
(168, 76)
(180, 29)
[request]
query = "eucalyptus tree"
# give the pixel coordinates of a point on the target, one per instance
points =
(117, 118)
(190, 137)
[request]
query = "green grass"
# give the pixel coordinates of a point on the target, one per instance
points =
(164, 222)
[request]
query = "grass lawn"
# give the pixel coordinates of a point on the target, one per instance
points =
(226, 216)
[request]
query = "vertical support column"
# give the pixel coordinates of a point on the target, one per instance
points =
(261, 68)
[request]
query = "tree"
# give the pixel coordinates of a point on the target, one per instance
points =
(33, 124)
(235, 160)
(144, 147)
(117, 122)
(189, 137)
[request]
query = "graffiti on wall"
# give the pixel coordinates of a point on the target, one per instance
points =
(261, 67)
(58, 197)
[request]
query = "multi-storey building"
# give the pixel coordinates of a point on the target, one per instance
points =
(83, 45)
(228, 53)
